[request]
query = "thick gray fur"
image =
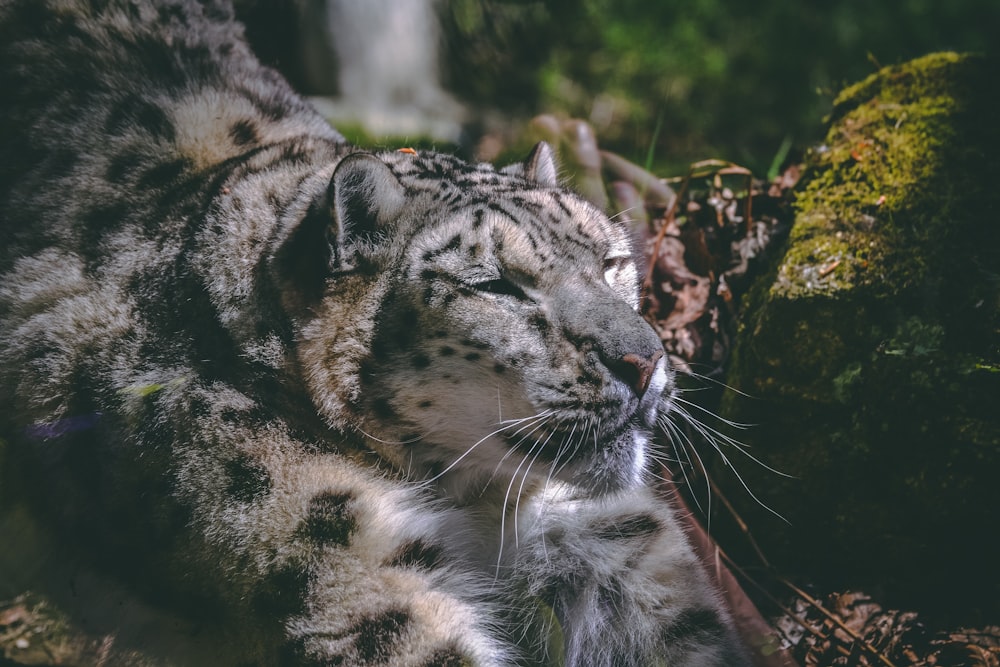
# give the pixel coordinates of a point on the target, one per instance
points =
(372, 409)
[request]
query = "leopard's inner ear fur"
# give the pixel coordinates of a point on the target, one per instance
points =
(362, 198)
(539, 167)
(366, 197)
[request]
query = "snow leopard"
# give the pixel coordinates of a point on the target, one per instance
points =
(358, 407)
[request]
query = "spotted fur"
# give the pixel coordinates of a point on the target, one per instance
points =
(381, 408)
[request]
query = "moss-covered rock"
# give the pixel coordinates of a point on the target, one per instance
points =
(872, 351)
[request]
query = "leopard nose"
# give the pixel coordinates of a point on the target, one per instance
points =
(637, 370)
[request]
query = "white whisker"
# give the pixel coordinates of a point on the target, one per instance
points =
(717, 439)
(728, 422)
(624, 212)
(391, 442)
(681, 438)
(503, 511)
(543, 418)
(520, 489)
(509, 424)
(567, 439)
(717, 383)
(555, 459)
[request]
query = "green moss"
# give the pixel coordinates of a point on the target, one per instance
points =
(869, 350)
(845, 383)
(870, 183)
(915, 338)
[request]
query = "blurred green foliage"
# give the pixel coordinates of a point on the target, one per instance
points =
(724, 78)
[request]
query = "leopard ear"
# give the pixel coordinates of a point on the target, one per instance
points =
(539, 166)
(362, 197)
(366, 196)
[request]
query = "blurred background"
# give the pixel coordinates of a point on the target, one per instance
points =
(663, 82)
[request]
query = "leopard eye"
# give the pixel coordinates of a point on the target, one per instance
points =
(501, 286)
